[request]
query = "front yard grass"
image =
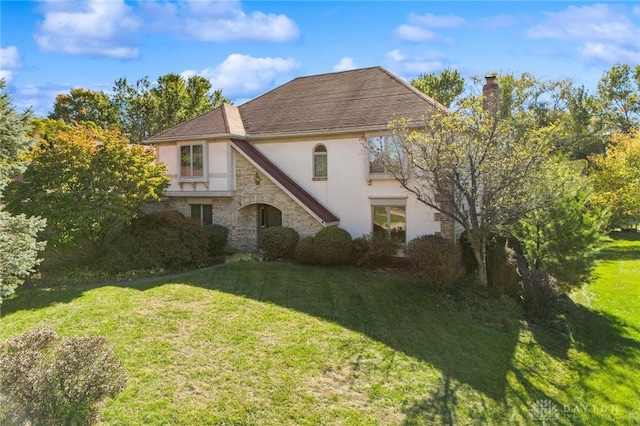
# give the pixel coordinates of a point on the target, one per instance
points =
(284, 344)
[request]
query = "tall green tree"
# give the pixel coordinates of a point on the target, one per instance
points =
(479, 165)
(147, 109)
(619, 97)
(443, 88)
(86, 106)
(19, 246)
(615, 176)
(83, 180)
(563, 235)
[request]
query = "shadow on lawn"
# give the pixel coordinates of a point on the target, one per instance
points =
(467, 348)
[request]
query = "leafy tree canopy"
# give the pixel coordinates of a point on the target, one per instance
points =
(480, 164)
(616, 177)
(443, 88)
(81, 180)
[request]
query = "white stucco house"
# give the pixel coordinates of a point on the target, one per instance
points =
(296, 156)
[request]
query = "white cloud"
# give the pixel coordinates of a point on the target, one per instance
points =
(413, 33)
(420, 27)
(437, 22)
(410, 66)
(345, 64)
(9, 62)
(219, 21)
(604, 32)
(244, 75)
(95, 28)
(39, 98)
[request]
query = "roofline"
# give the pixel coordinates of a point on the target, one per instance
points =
(236, 145)
(281, 135)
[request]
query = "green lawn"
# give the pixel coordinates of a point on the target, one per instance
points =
(283, 344)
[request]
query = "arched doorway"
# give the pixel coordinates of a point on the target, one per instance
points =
(268, 217)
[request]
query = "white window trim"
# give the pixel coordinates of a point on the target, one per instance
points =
(376, 175)
(205, 163)
(313, 162)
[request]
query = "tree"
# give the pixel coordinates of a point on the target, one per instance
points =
(619, 97)
(479, 165)
(84, 179)
(18, 234)
(86, 106)
(443, 88)
(147, 109)
(615, 176)
(563, 236)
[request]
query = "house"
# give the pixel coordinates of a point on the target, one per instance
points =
(297, 156)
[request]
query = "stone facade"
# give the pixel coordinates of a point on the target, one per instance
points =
(239, 212)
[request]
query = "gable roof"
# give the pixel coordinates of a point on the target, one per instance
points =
(281, 179)
(356, 100)
(221, 121)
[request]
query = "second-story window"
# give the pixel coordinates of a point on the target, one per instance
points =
(384, 151)
(320, 162)
(192, 161)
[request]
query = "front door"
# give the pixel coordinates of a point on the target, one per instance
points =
(268, 217)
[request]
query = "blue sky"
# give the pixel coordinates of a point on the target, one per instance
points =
(247, 48)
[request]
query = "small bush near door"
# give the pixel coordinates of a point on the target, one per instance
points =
(278, 242)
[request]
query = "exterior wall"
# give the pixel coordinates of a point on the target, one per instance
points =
(239, 211)
(348, 189)
(218, 176)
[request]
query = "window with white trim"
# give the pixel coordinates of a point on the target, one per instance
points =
(389, 216)
(320, 162)
(192, 161)
(383, 149)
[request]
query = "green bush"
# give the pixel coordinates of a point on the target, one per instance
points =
(306, 251)
(278, 242)
(541, 295)
(437, 261)
(333, 246)
(56, 381)
(165, 240)
(217, 237)
(376, 249)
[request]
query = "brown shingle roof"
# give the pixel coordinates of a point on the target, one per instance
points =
(353, 100)
(284, 181)
(223, 120)
(356, 99)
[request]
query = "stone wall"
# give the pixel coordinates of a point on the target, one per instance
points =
(239, 212)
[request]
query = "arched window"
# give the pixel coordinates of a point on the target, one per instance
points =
(320, 162)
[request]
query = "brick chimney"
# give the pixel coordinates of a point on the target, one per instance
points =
(491, 93)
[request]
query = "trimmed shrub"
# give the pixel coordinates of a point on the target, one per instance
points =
(165, 240)
(541, 295)
(437, 261)
(375, 249)
(217, 237)
(333, 246)
(306, 251)
(278, 242)
(56, 381)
